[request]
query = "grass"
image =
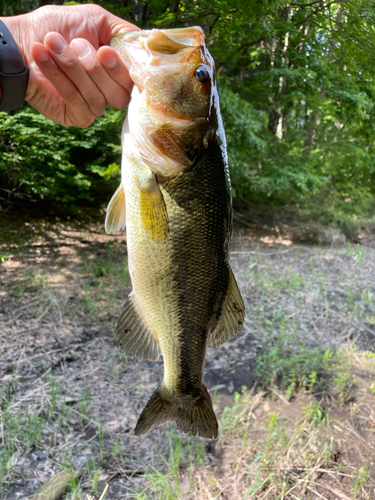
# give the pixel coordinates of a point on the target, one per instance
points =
(290, 364)
(32, 427)
(21, 433)
(184, 456)
(71, 396)
(110, 277)
(272, 457)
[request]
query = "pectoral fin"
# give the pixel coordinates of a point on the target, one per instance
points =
(115, 217)
(153, 210)
(232, 316)
(134, 334)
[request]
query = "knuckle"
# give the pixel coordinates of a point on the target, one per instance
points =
(87, 121)
(93, 66)
(72, 64)
(98, 103)
(75, 98)
(82, 121)
(121, 101)
(94, 8)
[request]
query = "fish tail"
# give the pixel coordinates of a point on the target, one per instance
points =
(197, 416)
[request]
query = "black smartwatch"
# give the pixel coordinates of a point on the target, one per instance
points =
(14, 73)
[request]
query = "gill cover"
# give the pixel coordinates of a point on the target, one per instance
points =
(172, 114)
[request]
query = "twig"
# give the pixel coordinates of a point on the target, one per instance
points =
(30, 304)
(358, 323)
(42, 376)
(280, 396)
(35, 324)
(315, 492)
(53, 352)
(104, 492)
(333, 490)
(27, 396)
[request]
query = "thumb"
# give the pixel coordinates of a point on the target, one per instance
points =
(113, 25)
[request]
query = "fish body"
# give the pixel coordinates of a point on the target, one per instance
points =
(175, 201)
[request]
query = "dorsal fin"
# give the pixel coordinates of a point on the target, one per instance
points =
(232, 316)
(133, 333)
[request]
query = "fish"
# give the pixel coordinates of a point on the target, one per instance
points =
(174, 200)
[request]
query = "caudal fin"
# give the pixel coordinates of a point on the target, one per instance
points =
(197, 417)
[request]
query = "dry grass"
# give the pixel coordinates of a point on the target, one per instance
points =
(71, 397)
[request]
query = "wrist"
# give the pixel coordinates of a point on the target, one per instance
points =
(14, 23)
(13, 69)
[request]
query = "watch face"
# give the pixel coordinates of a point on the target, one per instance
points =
(14, 73)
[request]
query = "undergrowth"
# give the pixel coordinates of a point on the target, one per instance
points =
(291, 365)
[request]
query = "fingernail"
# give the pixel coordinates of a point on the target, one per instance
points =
(110, 60)
(80, 47)
(40, 53)
(57, 44)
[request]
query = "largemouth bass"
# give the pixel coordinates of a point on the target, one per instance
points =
(174, 200)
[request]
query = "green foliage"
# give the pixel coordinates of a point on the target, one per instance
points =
(297, 93)
(343, 381)
(314, 413)
(289, 363)
(49, 161)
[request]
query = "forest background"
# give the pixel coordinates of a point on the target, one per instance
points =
(296, 82)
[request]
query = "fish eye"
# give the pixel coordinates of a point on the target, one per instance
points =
(201, 74)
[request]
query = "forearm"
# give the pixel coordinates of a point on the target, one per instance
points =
(13, 24)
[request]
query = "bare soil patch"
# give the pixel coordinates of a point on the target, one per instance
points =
(71, 396)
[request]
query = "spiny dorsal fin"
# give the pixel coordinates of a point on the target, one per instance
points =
(232, 317)
(115, 217)
(153, 210)
(134, 335)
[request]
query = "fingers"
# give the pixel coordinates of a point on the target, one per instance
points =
(115, 67)
(70, 108)
(98, 77)
(106, 70)
(85, 80)
(69, 63)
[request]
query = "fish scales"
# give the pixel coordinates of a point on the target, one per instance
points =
(180, 282)
(178, 223)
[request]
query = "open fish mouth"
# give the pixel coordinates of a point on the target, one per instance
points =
(163, 41)
(172, 114)
(146, 52)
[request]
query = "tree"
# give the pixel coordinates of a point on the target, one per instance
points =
(296, 80)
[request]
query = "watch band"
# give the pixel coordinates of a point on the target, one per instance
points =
(14, 73)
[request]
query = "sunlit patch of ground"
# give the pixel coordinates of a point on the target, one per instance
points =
(303, 427)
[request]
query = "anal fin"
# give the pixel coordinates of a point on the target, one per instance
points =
(232, 316)
(133, 333)
(115, 217)
(153, 210)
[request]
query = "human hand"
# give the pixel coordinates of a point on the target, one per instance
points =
(72, 75)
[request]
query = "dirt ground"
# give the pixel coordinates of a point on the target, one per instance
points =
(71, 397)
